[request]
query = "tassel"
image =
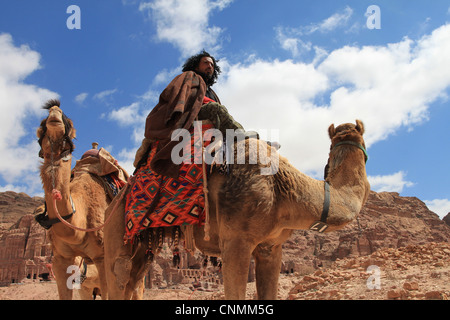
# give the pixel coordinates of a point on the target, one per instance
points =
(160, 232)
(56, 194)
(176, 251)
(150, 246)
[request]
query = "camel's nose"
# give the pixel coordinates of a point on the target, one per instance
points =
(55, 114)
(55, 109)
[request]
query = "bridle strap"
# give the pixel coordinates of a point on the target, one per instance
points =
(326, 203)
(321, 226)
(352, 143)
(47, 223)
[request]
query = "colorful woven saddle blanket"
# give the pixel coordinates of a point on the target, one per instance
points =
(160, 201)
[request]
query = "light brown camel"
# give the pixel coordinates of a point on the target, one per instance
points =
(254, 214)
(83, 202)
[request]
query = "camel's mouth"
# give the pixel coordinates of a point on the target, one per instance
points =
(54, 120)
(55, 117)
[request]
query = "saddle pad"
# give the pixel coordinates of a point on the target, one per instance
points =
(160, 201)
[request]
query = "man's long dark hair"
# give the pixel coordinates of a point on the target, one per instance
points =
(192, 63)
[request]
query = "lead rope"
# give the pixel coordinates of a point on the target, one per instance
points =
(207, 227)
(56, 194)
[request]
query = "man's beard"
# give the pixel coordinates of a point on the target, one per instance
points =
(209, 79)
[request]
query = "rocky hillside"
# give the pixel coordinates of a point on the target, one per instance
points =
(14, 205)
(414, 272)
(389, 225)
(387, 221)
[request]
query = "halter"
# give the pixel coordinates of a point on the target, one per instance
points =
(65, 155)
(47, 223)
(352, 143)
(65, 139)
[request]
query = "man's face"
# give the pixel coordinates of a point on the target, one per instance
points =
(206, 66)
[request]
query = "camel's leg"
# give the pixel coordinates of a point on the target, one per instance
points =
(86, 293)
(117, 255)
(60, 267)
(100, 264)
(140, 267)
(236, 254)
(138, 293)
(267, 270)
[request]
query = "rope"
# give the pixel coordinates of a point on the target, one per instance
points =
(207, 227)
(56, 194)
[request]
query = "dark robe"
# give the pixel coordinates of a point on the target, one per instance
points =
(178, 107)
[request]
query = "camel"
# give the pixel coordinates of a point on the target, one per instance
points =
(254, 214)
(83, 201)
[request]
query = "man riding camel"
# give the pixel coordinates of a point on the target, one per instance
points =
(188, 97)
(167, 193)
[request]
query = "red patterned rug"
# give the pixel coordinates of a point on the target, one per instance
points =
(175, 202)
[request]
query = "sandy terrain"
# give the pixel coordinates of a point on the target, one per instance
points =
(409, 273)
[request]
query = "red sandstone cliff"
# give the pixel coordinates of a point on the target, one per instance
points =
(386, 221)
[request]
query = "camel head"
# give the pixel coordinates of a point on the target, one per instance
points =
(346, 134)
(56, 132)
(347, 131)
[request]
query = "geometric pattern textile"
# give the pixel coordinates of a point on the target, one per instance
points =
(160, 201)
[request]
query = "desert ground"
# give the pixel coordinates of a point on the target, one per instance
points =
(409, 273)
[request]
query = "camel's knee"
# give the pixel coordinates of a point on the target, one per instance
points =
(122, 269)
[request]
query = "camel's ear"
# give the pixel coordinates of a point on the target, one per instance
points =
(360, 126)
(331, 131)
(39, 132)
(73, 134)
(73, 131)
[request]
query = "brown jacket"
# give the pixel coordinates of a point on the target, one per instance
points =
(178, 107)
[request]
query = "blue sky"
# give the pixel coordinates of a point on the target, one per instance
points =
(290, 69)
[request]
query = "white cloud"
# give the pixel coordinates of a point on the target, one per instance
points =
(185, 24)
(104, 94)
(391, 183)
(331, 23)
(126, 116)
(290, 38)
(439, 206)
(400, 80)
(20, 104)
(278, 95)
(293, 44)
(126, 159)
(81, 98)
(165, 76)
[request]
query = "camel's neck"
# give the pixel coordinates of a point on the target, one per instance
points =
(349, 185)
(347, 169)
(349, 189)
(57, 177)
